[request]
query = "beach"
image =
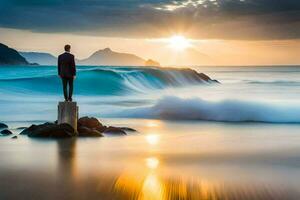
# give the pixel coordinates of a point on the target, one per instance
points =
(234, 140)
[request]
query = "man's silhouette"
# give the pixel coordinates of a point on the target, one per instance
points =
(67, 71)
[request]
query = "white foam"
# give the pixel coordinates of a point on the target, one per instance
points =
(171, 107)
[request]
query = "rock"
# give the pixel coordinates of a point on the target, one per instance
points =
(28, 130)
(115, 131)
(92, 123)
(101, 129)
(14, 137)
(87, 132)
(89, 122)
(2, 125)
(6, 132)
(206, 78)
(83, 130)
(50, 130)
(128, 129)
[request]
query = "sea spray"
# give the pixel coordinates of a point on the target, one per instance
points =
(174, 108)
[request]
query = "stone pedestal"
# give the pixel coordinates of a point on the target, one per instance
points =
(68, 113)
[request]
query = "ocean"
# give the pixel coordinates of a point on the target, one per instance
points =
(196, 139)
(257, 94)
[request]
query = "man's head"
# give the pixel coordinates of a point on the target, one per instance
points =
(67, 48)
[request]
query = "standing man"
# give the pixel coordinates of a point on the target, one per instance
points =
(67, 71)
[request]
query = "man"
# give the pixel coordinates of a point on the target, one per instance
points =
(67, 71)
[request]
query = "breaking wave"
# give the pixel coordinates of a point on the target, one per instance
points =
(106, 80)
(174, 108)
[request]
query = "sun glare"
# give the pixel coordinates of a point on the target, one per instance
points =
(152, 139)
(179, 42)
(152, 162)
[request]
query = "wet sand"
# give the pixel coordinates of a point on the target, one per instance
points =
(165, 160)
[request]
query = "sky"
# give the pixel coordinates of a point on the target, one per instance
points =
(173, 32)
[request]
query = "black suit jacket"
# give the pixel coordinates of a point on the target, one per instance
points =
(66, 65)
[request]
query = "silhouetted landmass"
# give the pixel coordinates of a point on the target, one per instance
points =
(109, 57)
(9, 56)
(151, 62)
(105, 57)
(39, 58)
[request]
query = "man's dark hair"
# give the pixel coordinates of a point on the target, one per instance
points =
(67, 47)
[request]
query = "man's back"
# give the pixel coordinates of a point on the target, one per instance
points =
(66, 65)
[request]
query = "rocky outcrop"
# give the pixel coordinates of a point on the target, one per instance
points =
(88, 132)
(28, 130)
(6, 132)
(50, 130)
(9, 56)
(115, 131)
(86, 127)
(92, 123)
(152, 63)
(2, 125)
(206, 78)
(91, 127)
(128, 129)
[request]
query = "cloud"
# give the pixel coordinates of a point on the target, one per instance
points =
(201, 19)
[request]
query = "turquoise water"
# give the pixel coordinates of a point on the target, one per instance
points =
(196, 139)
(257, 94)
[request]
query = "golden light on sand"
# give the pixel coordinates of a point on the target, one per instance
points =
(179, 42)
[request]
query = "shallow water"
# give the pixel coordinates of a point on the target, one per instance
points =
(165, 160)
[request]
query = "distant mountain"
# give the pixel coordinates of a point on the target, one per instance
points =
(152, 63)
(102, 57)
(109, 57)
(40, 58)
(9, 56)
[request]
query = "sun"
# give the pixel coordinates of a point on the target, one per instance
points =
(179, 42)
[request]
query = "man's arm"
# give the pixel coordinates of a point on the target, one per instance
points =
(74, 66)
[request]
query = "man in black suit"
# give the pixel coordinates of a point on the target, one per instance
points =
(67, 71)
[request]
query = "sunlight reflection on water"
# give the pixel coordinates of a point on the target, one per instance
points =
(168, 161)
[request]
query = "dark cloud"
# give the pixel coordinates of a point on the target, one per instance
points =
(222, 19)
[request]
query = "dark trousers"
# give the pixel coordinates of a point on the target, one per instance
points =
(66, 82)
